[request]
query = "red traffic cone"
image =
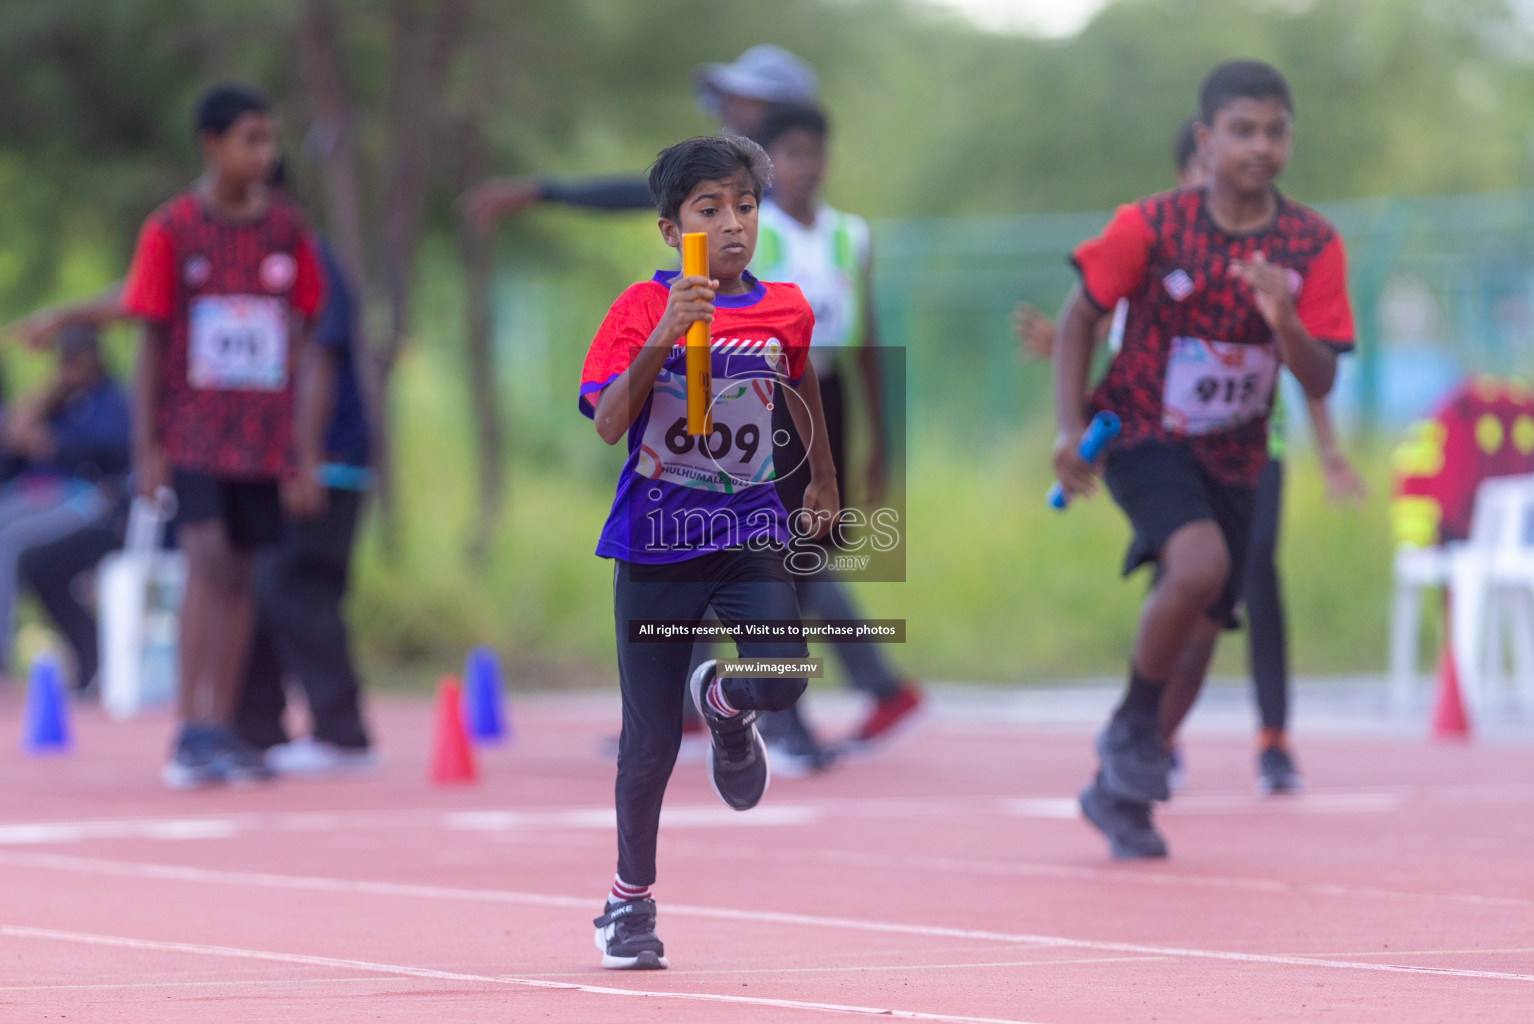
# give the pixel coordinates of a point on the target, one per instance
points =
(451, 760)
(1449, 719)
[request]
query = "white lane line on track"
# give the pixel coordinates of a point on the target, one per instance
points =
(683, 816)
(1200, 805)
(404, 971)
(1433, 952)
(606, 819)
(223, 983)
(672, 973)
(40, 832)
(166, 872)
(1123, 874)
(868, 968)
(1313, 803)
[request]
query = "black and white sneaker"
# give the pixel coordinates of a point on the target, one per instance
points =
(626, 937)
(792, 750)
(1125, 823)
(1134, 759)
(240, 762)
(194, 761)
(737, 758)
(1276, 772)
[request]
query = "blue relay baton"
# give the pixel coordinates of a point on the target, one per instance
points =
(1103, 428)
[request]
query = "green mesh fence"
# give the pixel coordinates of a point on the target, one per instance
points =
(1441, 286)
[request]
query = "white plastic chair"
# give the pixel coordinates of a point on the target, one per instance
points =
(1489, 576)
(1509, 589)
(139, 598)
(1416, 570)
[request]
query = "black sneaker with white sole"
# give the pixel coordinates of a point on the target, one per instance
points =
(194, 761)
(1276, 772)
(241, 763)
(737, 758)
(626, 937)
(1125, 823)
(1135, 764)
(792, 750)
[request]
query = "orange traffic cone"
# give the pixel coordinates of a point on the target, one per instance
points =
(451, 760)
(1449, 719)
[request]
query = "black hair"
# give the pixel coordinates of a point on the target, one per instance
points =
(678, 169)
(782, 118)
(1241, 80)
(1185, 145)
(225, 103)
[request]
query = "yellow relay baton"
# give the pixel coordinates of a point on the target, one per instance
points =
(700, 377)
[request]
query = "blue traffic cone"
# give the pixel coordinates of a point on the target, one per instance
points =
(483, 713)
(45, 725)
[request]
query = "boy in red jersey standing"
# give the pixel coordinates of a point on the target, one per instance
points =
(226, 281)
(1225, 284)
(696, 522)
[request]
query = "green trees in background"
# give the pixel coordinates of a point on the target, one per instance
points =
(932, 116)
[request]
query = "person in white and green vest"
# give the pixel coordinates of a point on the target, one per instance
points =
(826, 253)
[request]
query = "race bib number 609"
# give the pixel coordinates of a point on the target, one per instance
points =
(737, 455)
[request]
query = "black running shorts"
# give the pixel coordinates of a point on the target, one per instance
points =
(251, 510)
(1162, 488)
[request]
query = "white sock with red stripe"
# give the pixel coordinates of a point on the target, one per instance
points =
(623, 891)
(715, 699)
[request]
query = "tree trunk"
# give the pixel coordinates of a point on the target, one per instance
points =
(424, 35)
(471, 164)
(479, 361)
(333, 138)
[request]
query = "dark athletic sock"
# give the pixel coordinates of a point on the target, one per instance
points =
(1143, 696)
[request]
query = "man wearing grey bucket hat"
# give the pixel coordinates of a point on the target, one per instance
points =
(736, 95)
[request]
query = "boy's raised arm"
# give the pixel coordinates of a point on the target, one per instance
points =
(1312, 363)
(38, 329)
(1073, 359)
(618, 405)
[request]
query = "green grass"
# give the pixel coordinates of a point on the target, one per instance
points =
(1003, 589)
(999, 588)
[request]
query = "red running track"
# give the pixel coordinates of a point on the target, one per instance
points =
(948, 881)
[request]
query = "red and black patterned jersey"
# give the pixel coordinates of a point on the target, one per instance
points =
(1199, 364)
(230, 295)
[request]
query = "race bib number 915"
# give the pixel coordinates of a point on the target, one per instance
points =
(1216, 385)
(238, 343)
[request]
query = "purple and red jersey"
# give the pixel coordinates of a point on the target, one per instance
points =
(681, 496)
(1199, 364)
(230, 295)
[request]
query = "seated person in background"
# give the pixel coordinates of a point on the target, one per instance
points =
(71, 441)
(53, 571)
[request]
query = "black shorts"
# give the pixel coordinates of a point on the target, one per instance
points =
(1162, 488)
(251, 510)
